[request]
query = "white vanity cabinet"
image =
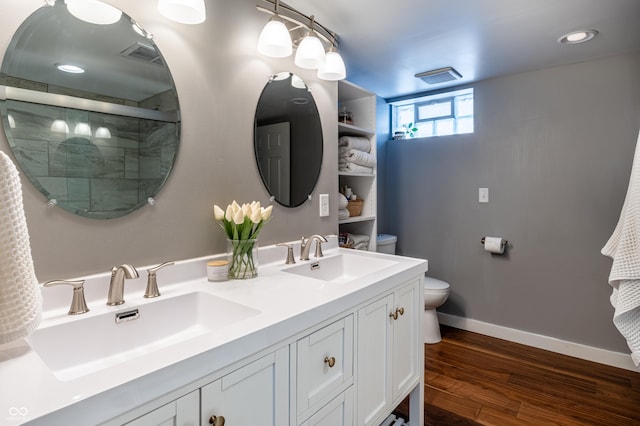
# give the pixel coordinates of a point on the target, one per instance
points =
(254, 394)
(323, 370)
(387, 347)
(182, 412)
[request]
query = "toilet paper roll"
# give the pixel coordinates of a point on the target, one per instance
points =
(494, 245)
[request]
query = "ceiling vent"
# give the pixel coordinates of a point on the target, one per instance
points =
(441, 75)
(144, 53)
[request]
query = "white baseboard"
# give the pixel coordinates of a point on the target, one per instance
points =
(577, 350)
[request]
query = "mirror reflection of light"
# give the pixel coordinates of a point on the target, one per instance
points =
(82, 129)
(71, 69)
(103, 132)
(12, 122)
(59, 126)
(93, 11)
(140, 31)
(297, 82)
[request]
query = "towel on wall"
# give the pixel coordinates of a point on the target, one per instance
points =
(20, 297)
(358, 157)
(345, 143)
(624, 248)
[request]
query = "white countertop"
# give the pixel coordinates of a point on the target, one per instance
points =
(287, 304)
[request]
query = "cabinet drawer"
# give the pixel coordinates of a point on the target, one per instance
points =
(324, 364)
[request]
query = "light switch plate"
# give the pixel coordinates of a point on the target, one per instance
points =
(483, 195)
(324, 205)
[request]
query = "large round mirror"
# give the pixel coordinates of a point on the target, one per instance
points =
(288, 139)
(90, 111)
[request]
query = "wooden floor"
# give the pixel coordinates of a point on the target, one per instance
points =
(472, 379)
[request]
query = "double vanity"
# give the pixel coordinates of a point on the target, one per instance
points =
(327, 341)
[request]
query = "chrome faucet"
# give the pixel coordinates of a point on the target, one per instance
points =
(305, 246)
(116, 286)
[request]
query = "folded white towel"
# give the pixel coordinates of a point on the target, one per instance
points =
(359, 157)
(20, 297)
(342, 201)
(346, 143)
(624, 247)
(359, 239)
(353, 168)
(343, 214)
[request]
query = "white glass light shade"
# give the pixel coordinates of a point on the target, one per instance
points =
(59, 126)
(310, 54)
(183, 11)
(82, 129)
(333, 67)
(103, 132)
(12, 122)
(275, 40)
(93, 11)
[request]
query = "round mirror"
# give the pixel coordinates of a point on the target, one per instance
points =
(288, 139)
(90, 111)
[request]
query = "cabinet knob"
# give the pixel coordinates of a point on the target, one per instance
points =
(401, 311)
(394, 315)
(330, 361)
(216, 420)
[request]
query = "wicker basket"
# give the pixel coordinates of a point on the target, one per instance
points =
(355, 207)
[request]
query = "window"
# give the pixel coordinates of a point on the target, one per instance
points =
(442, 114)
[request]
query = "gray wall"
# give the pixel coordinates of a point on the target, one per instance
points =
(219, 77)
(554, 147)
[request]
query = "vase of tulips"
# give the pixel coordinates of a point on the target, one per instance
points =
(242, 224)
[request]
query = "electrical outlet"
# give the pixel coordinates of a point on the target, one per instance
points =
(483, 195)
(324, 205)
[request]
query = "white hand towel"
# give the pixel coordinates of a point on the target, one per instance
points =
(346, 143)
(358, 157)
(353, 168)
(624, 248)
(20, 297)
(343, 214)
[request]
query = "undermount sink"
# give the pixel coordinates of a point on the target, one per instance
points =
(341, 268)
(86, 345)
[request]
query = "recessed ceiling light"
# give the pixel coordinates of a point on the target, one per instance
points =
(72, 69)
(576, 37)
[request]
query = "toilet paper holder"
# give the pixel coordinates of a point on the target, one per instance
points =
(503, 243)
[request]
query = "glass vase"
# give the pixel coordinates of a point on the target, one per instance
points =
(243, 258)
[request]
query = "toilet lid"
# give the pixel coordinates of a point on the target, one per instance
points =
(435, 284)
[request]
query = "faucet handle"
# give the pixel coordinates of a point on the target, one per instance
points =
(78, 302)
(290, 257)
(152, 282)
(319, 248)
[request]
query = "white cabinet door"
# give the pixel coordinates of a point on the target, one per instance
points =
(373, 365)
(256, 394)
(324, 364)
(338, 412)
(181, 412)
(405, 338)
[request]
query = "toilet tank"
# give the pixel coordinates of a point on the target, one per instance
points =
(386, 243)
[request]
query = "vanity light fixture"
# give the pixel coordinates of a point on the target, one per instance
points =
(275, 40)
(93, 11)
(103, 133)
(576, 37)
(183, 11)
(310, 52)
(82, 129)
(71, 69)
(333, 67)
(59, 126)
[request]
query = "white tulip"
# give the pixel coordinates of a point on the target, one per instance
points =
(246, 210)
(229, 213)
(218, 213)
(238, 218)
(256, 216)
(235, 207)
(255, 205)
(266, 213)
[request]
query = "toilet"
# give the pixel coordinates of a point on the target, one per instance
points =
(435, 294)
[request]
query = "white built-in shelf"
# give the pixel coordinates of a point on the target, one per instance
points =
(357, 219)
(344, 128)
(371, 175)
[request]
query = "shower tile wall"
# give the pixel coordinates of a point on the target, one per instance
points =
(87, 172)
